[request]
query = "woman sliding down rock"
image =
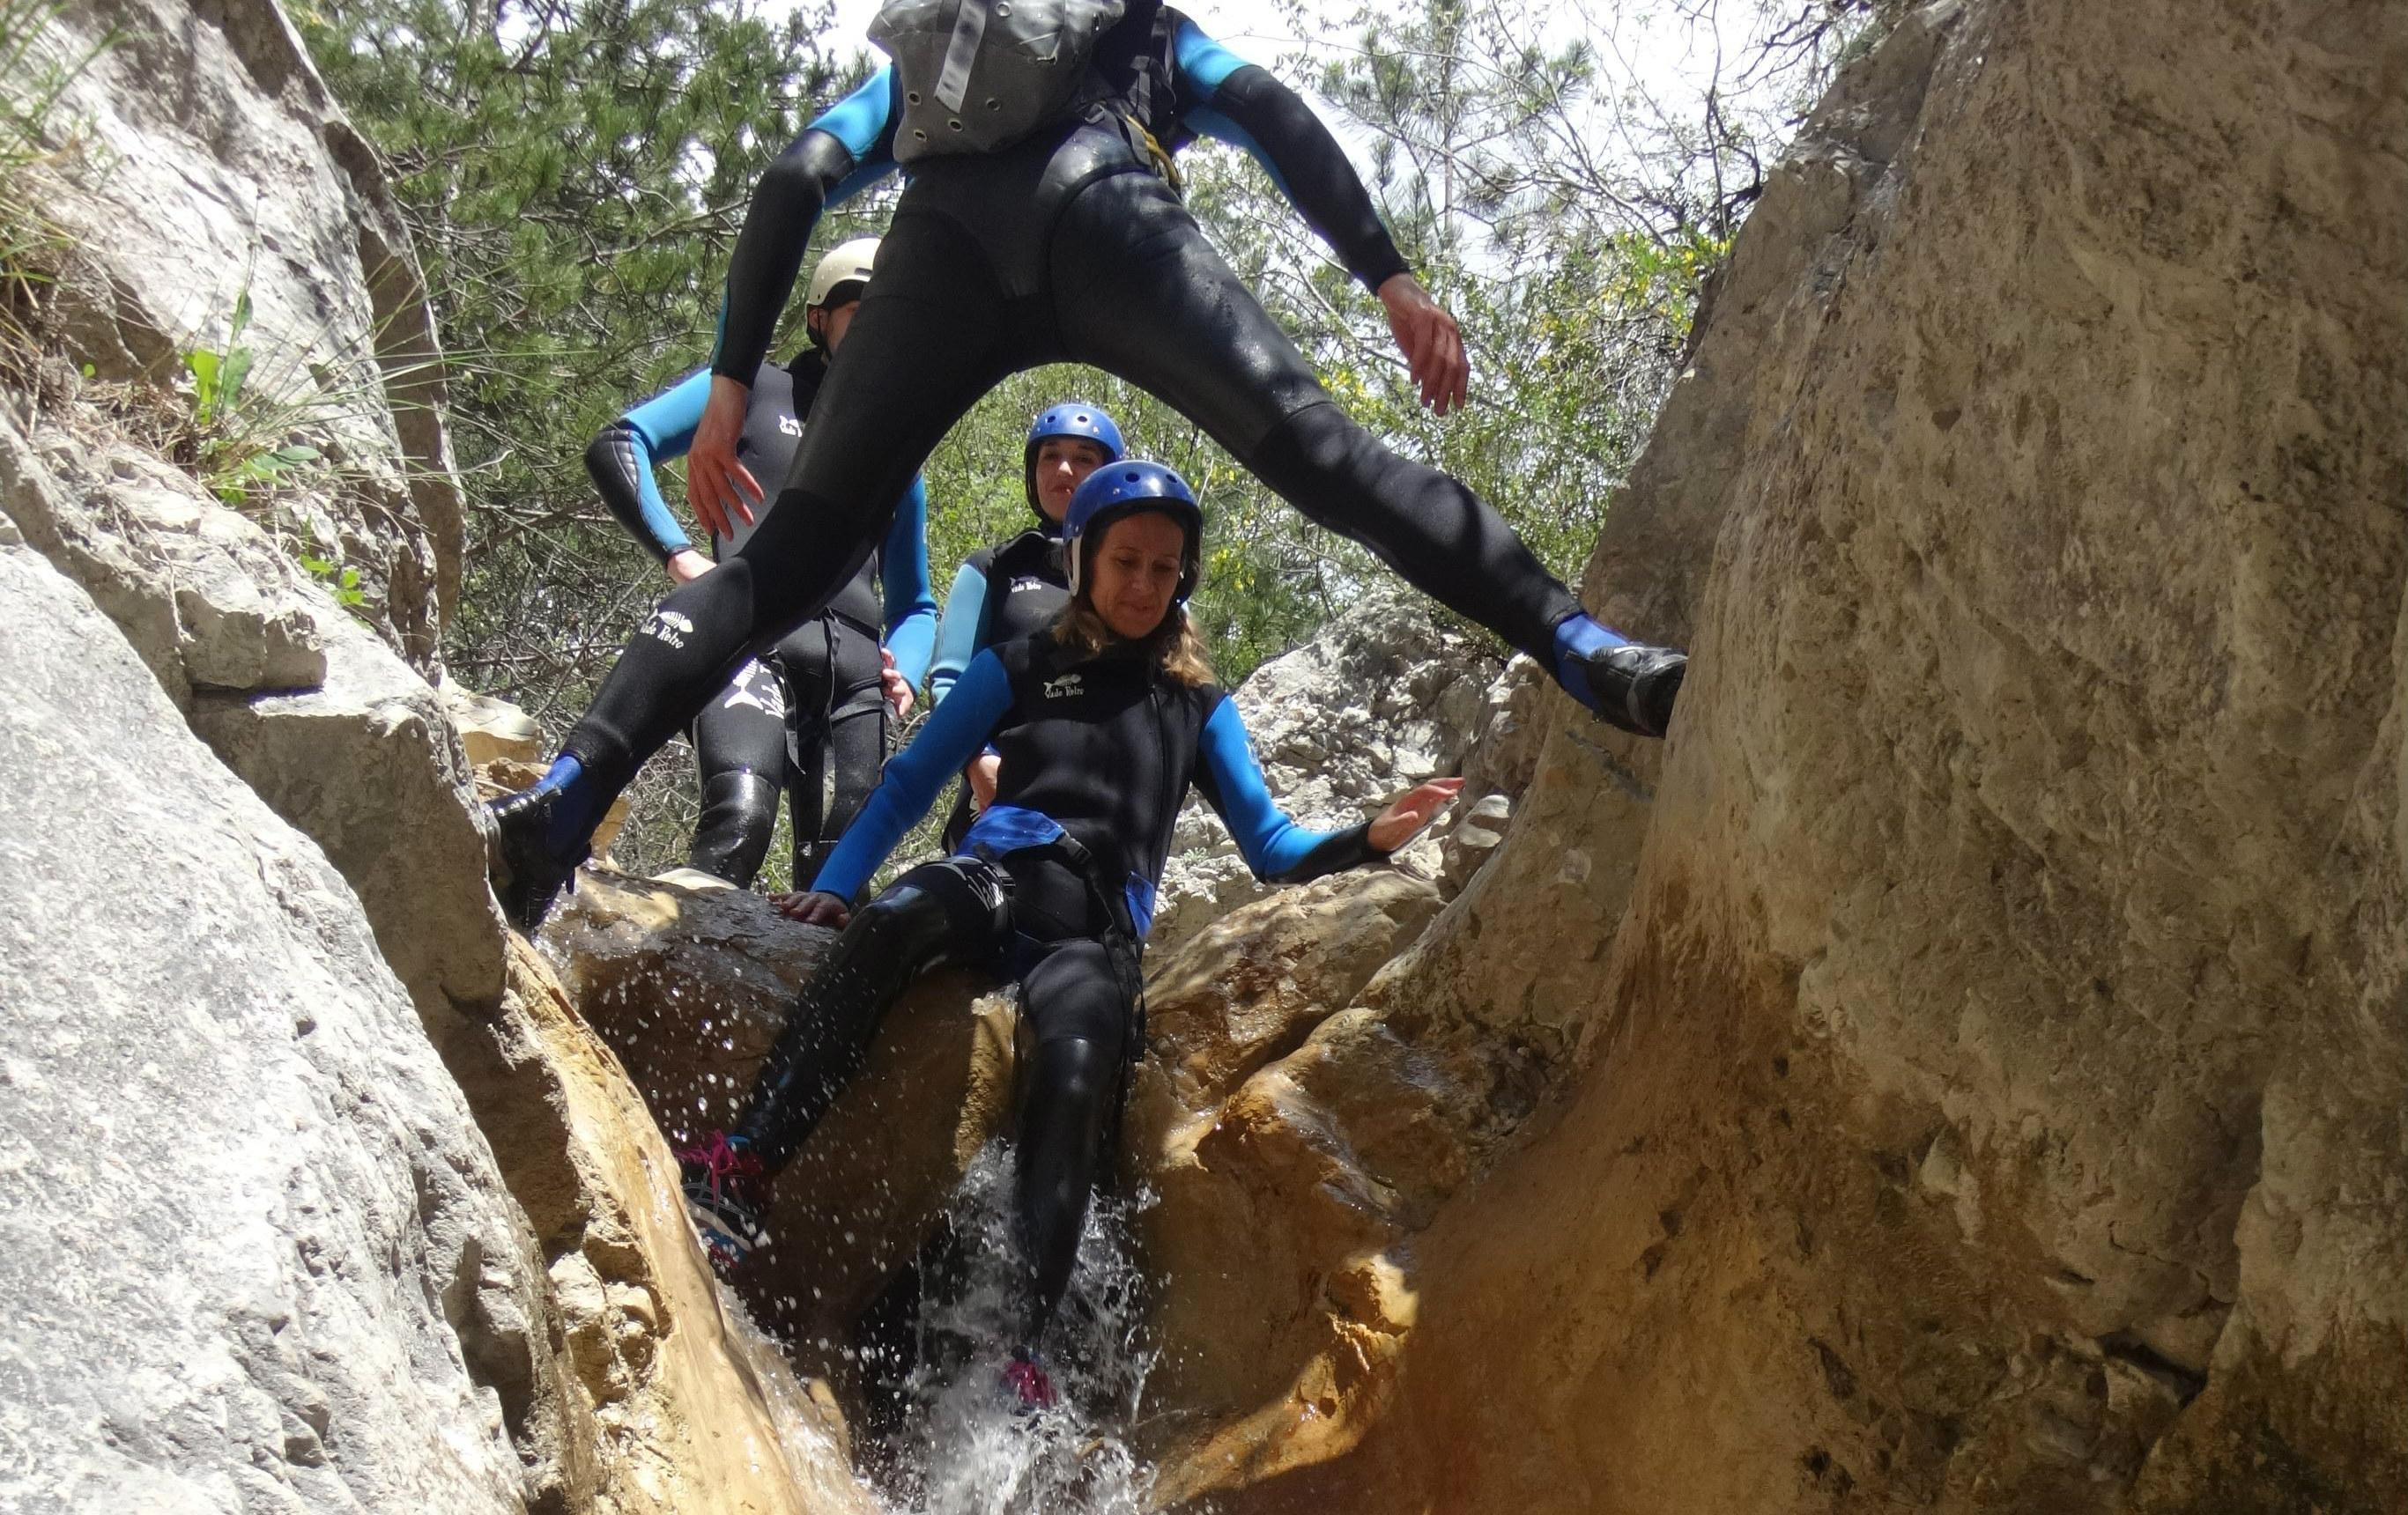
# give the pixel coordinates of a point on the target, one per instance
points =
(1102, 723)
(1042, 223)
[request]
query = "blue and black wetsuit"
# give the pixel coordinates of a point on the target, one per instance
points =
(809, 717)
(1068, 247)
(1002, 593)
(1054, 888)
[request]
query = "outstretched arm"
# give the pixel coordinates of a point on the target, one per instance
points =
(1277, 850)
(848, 149)
(1222, 95)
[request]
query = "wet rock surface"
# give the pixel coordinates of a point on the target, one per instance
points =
(691, 987)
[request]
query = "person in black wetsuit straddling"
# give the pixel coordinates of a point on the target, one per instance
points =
(809, 717)
(1016, 588)
(1102, 723)
(1066, 243)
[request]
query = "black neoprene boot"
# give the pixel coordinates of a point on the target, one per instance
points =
(525, 873)
(1633, 686)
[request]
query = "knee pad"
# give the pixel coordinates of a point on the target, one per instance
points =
(740, 811)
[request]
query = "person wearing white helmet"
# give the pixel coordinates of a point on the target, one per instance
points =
(808, 717)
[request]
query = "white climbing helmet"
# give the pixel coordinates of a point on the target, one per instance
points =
(848, 264)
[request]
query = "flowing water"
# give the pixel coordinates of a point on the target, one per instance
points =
(959, 1444)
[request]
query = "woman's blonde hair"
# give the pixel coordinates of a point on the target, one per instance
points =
(1177, 650)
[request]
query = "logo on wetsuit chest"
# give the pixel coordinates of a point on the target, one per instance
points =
(1022, 585)
(1066, 687)
(789, 426)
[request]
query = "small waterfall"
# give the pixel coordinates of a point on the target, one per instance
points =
(955, 1443)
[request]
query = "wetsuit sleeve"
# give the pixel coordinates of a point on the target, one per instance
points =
(957, 632)
(1224, 96)
(1277, 850)
(850, 148)
(903, 578)
(952, 736)
(623, 454)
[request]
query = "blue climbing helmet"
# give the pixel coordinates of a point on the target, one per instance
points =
(1125, 488)
(1074, 418)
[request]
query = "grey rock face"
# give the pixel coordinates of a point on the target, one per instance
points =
(247, 1221)
(1382, 699)
(230, 169)
(368, 766)
(205, 598)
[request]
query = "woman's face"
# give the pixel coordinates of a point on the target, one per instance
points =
(1063, 464)
(1136, 572)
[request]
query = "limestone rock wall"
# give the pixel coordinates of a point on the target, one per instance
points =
(219, 165)
(318, 1196)
(256, 1250)
(1986, 1088)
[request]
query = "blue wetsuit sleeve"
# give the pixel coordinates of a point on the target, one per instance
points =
(903, 578)
(623, 454)
(1245, 106)
(1277, 850)
(850, 148)
(952, 736)
(957, 632)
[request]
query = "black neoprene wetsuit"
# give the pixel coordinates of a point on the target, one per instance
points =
(1054, 888)
(1067, 247)
(807, 718)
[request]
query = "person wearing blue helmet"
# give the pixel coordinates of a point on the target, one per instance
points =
(1042, 222)
(808, 717)
(1103, 722)
(1015, 588)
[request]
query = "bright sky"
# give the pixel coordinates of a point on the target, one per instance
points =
(1640, 41)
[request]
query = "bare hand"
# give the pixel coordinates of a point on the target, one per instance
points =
(1431, 342)
(686, 565)
(982, 776)
(720, 489)
(813, 908)
(1398, 823)
(897, 688)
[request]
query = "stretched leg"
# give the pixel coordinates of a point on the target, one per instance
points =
(1139, 291)
(739, 743)
(1080, 1008)
(853, 745)
(931, 336)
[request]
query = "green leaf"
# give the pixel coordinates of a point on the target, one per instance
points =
(237, 369)
(203, 367)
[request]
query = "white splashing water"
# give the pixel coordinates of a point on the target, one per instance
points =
(964, 1447)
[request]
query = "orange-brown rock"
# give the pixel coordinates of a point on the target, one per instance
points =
(1966, 1064)
(691, 986)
